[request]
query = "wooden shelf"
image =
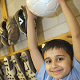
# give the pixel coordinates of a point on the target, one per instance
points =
(63, 36)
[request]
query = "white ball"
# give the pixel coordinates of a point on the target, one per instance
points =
(43, 8)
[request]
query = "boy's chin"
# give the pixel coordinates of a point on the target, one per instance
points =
(58, 77)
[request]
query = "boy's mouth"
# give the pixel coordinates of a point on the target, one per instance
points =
(57, 71)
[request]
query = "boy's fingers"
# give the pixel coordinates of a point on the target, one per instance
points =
(30, 13)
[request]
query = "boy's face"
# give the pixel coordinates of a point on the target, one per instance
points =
(58, 63)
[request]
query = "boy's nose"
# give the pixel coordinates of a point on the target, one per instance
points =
(54, 64)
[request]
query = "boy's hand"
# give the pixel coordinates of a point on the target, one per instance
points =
(30, 14)
(60, 1)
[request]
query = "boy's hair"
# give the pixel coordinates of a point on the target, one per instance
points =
(58, 43)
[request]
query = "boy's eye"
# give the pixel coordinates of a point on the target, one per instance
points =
(60, 59)
(48, 61)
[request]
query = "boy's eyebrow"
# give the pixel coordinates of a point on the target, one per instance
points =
(60, 55)
(55, 56)
(47, 58)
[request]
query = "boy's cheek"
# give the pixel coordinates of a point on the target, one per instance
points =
(67, 68)
(47, 67)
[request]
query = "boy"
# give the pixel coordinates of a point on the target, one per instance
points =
(58, 62)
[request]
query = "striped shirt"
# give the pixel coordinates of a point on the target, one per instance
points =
(73, 75)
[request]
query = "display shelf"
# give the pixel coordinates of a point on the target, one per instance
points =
(66, 36)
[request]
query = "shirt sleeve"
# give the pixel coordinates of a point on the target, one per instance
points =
(76, 64)
(41, 73)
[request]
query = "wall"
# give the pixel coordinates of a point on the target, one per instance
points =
(46, 27)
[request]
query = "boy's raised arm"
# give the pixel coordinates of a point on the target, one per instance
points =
(74, 28)
(32, 41)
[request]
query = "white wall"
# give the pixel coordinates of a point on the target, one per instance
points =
(46, 27)
(56, 25)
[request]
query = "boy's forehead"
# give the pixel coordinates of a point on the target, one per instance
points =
(55, 52)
